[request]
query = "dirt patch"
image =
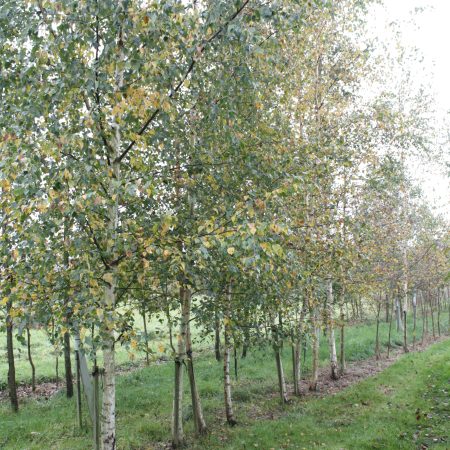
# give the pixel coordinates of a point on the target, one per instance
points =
(43, 391)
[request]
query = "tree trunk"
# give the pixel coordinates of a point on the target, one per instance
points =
(405, 340)
(424, 313)
(390, 330)
(78, 375)
(377, 336)
(398, 316)
(177, 416)
(177, 412)
(314, 350)
(331, 337)
(438, 301)
(279, 363)
(199, 421)
(68, 366)
(414, 305)
(67, 360)
(299, 343)
(12, 386)
(108, 417)
(217, 336)
(226, 360)
(342, 343)
(448, 301)
(147, 353)
(246, 343)
(430, 302)
(387, 306)
(30, 360)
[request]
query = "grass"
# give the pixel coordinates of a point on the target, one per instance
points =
(377, 413)
(44, 353)
(404, 407)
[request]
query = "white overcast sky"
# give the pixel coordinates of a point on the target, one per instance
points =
(427, 29)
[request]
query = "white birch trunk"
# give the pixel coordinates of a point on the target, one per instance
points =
(178, 439)
(226, 361)
(331, 336)
(315, 351)
(108, 413)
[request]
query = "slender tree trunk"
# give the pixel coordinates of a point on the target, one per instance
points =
(377, 335)
(390, 329)
(226, 360)
(169, 325)
(361, 308)
(147, 352)
(67, 360)
(199, 421)
(405, 339)
(331, 337)
(57, 371)
(387, 306)
(235, 363)
(68, 366)
(294, 361)
(30, 360)
(78, 376)
(108, 416)
(217, 336)
(12, 386)
(246, 342)
(279, 363)
(342, 343)
(178, 439)
(314, 350)
(298, 352)
(354, 311)
(438, 301)
(108, 413)
(414, 305)
(398, 314)
(422, 305)
(430, 302)
(448, 301)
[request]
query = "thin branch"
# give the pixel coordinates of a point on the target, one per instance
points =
(200, 50)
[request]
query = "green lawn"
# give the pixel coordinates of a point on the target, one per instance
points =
(44, 354)
(377, 413)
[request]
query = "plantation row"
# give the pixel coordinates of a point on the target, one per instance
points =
(222, 164)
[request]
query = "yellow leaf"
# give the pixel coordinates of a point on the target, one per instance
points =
(230, 250)
(6, 185)
(134, 344)
(252, 228)
(4, 300)
(67, 175)
(99, 312)
(161, 348)
(15, 312)
(108, 277)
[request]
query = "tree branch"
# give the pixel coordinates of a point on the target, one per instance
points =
(200, 50)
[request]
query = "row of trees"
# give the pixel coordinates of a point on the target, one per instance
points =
(209, 159)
